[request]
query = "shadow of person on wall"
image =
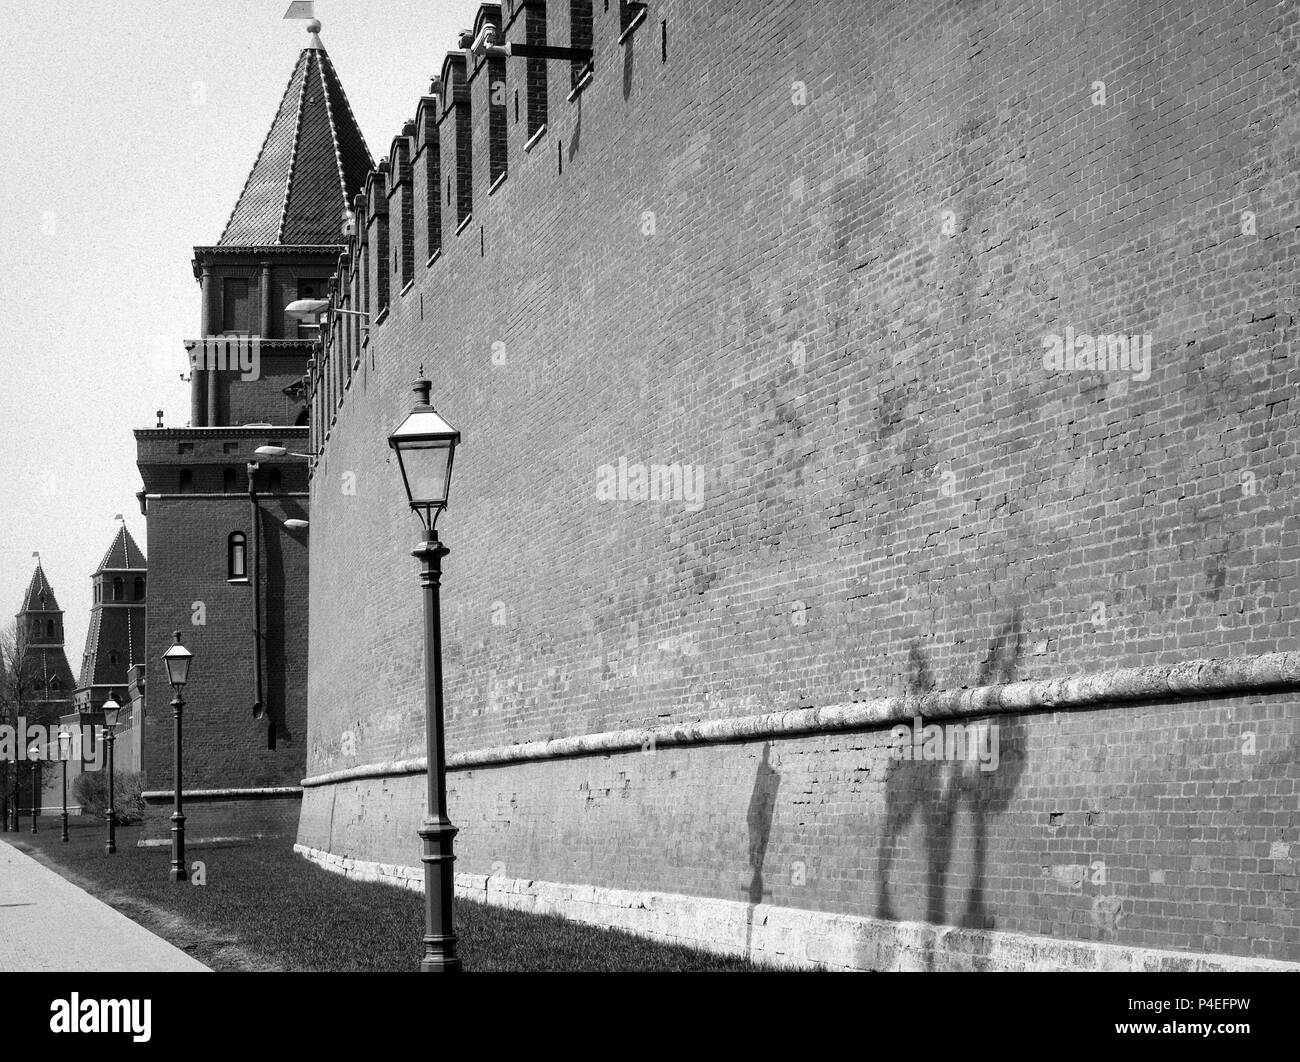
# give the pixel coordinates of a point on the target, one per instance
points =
(988, 793)
(762, 808)
(909, 786)
(935, 792)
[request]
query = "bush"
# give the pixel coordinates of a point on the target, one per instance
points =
(91, 791)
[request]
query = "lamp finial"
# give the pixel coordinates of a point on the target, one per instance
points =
(422, 390)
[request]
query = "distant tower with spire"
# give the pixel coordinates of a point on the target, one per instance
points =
(45, 677)
(225, 570)
(115, 639)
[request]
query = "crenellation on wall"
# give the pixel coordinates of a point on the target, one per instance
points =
(401, 209)
(427, 179)
(377, 241)
(456, 144)
(471, 157)
(536, 76)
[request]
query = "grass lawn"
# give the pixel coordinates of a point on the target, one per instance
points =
(266, 908)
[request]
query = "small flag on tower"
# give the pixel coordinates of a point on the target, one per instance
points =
(300, 9)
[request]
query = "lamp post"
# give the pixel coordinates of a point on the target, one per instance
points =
(33, 759)
(177, 659)
(425, 445)
(111, 710)
(65, 750)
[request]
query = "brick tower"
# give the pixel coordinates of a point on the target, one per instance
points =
(40, 682)
(47, 677)
(227, 528)
(115, 639)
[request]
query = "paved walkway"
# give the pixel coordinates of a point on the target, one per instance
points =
(47, 923)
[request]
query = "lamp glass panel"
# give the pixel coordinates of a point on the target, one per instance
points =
(426, 465)
(178, 666)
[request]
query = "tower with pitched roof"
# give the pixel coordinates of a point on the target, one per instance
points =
(227, 527)
(41, 663)
(115, 639)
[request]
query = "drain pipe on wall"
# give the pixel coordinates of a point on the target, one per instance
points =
(255, 581)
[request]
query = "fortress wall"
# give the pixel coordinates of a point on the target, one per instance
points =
(1096, 827)
(816, 260)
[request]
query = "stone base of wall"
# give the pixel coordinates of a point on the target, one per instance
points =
(795, 938)
(235, 815)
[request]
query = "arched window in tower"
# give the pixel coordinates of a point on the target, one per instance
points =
(98, 596)
(119, 588)
(139, 588)
(113, 658)
(49, 630)
(55, 685)
(36, 630)
(237, 556)
(186, 483)
(228, 481)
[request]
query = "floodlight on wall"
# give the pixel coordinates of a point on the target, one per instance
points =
(304, 309)
(279, 451)
(488, 45)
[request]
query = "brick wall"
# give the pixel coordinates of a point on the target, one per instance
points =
(224, 747)
(818, 255)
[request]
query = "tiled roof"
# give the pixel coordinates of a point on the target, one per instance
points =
(40, 595)
(123, 554)
(53, 674)
(313, 162)
(104, 633)
(88, 657)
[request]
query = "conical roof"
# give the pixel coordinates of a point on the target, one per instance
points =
(312, 163)
(123, 628)
(40, 595)
(123, 554)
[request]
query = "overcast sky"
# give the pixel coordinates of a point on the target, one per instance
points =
(126, 133)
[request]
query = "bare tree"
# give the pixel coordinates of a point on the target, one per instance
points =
(19, 671)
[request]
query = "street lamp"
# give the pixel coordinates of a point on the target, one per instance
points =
(111, 710)
(34, 759)
(65, 751)
(177, 658)
(425, 445)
